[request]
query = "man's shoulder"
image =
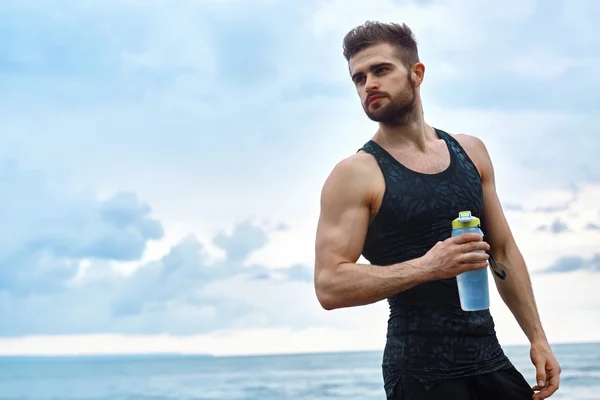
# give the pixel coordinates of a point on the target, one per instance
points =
(476, 150)
(357, 165)
(473, 145)
(469, 142)
(354, 175)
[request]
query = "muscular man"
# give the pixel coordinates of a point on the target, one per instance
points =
(393, 202)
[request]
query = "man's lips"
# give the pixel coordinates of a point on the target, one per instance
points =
(374, 98)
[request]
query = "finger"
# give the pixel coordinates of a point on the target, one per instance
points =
(466, 267)
(552, 385)
(541, 394)
(540, 374)
(538, 387)
(467, 237)
(473, 257)
(480, 246)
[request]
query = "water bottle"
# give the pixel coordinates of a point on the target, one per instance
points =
(473, 287)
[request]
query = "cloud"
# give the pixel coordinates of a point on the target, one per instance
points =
(181, 294)
(574, 263)
(556, 227)
(592, 227)
(60, 272)
(49, 235)
(513, 207)
(245, 239)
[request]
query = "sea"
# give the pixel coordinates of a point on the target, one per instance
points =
(352, 375)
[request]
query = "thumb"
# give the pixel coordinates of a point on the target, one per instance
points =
(540, 373)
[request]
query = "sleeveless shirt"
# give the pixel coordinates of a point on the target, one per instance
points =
(429, 336)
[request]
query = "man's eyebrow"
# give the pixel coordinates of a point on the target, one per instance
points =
(372, 68)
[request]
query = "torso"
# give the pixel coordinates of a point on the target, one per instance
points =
(412, 205)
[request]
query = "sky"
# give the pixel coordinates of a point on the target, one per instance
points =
(161, 164)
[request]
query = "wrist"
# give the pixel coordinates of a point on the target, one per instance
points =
(539, 338)
(424, 272)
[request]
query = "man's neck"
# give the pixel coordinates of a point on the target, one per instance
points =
(414, 133)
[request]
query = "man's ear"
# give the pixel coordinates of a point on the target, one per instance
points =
(417, 73)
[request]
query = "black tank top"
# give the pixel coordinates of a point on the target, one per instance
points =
(429, 336)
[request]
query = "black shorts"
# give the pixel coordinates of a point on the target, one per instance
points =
(507, 384)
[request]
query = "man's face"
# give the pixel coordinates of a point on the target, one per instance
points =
(383, 83)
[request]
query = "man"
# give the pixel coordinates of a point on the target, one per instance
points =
(393, 202)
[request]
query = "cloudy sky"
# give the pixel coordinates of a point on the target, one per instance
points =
(161, 164)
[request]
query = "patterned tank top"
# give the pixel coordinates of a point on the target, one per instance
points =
(429, 336)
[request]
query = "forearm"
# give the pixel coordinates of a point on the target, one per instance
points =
(517, 293)
(351, 284)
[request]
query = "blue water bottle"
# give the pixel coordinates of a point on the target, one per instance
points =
(473, 287)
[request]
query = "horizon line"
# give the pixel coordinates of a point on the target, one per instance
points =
(209, 355)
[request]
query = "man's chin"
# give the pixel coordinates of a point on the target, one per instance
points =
(376, 114)
(376, 104)
(375, 117)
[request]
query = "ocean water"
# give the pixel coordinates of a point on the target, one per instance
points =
(309, 376)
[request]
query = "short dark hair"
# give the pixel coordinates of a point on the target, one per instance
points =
(374, 32)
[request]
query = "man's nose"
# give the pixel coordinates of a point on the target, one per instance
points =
(371, 84)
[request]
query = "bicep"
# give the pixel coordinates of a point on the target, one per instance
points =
(343, 221)
(494, 221)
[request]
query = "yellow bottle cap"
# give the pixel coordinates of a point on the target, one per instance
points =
(465, 220)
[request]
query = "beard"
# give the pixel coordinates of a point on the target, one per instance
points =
(397, 111)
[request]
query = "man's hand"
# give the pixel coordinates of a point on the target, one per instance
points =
(456, 255)
(547, 370)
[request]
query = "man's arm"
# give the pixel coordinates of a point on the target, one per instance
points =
(342, 227)
(339, 281)
(516, 291)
